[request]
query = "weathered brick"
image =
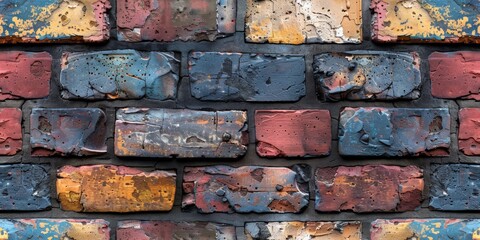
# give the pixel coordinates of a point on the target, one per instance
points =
(54, 21)
(394, 132)
(304, 230)
(468, 140)
(293, 133)
(10, 131)
(162, 20)
(149, 230)
(455, 75)
(455, 187)
(24, 75)
(247, 77)
(47, 229)
(371, 188)
(405, 229)
(182, 133)
(307, 21)
(246, 189)
(24, 187)
(444, 21)
(119, 74)
(67, 131)
(373, 75)
(107, 188)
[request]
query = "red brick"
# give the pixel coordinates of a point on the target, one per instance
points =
(293, 133)
(10, 131)
(371, 188)
(24, 75)
(469, 131)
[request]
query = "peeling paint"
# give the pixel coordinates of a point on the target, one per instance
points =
(468, 140)
(10, 131)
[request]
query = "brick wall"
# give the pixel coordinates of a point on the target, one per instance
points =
(239, 119)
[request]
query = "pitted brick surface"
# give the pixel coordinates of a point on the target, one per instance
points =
(10, 131)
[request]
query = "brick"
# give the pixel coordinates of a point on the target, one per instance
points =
(24, 75)
(54, 21)
(392, 132)
(371, 188)
(293, 133)
(404, 229)
(455, 75)
(444, 21)
(10, 131)
(45, 229)
(218, 76)
(24, 187)
(107, 188)
(307, 21)
(303, 230)
(372, 75)
(468, 142)
(119, 74)
(454, 187)
(161, 20)
(149, 230)
(246, 189)
(182, 133)
(67, 131)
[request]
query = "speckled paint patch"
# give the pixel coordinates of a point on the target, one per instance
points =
(246, 189)
(447, 21)
(218, 76)
(303, 21)
(371, 188)
(10, 131)
(50, 229)
(119, 74)
(367, 75)
(181, 133)
(54, 21)
(67, 131)
(394, 132)
(166, 20)
(469, 131)
(107, 188)
(151, 230)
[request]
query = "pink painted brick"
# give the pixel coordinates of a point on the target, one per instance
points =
(469, 132)
(10, 131)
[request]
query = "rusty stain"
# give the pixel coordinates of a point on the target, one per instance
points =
(10, 131)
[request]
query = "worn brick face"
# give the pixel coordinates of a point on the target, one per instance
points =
(119, 74)
(162, 20)
(371, 188)
(394, 132)
(24, 75)
(218, 76)
(367, 75)
(468, 140)
(107, 188)
(245, 189)
(10, 131)
(293, 133)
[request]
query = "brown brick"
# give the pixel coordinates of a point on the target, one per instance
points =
(106, 188)
(10, 131)
(469, 131)
(293, 133)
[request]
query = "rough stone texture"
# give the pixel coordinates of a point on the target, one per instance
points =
(24, 75)
(119, 74)
(455, 187)
(394, 132)
(54, 21)
(246, 189)
(218, 76)
(48, 229)
(150, 230)
(405, 229)
(165, 20)
(10, 131)
(304, 21)
(469, 131)
(293, 133)
(371, 188)
(303, 230)
(367, 75)
(446, 21)
(67, 131)
(24, 187)
(455, 75)
(182, 133)
(107, 188)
